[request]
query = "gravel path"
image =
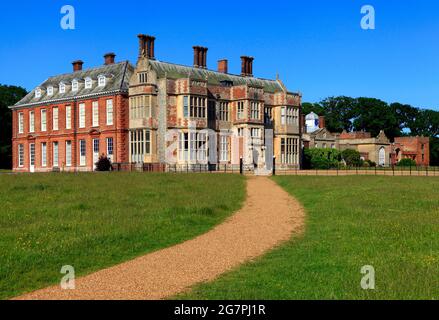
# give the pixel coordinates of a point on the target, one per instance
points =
(269, 217)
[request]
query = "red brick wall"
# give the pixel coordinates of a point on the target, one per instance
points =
(417, 147)
(118, 131)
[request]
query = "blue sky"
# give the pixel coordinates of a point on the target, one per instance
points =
(316, 46)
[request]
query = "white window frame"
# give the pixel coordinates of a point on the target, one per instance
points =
(82, 115)
(68, 153)
(55, 119)
(82, 153)
(55, 152)
(37, 93)
(43, 154)
(75, 85)
(43, 120)
(50, 91)
(31, 121)
(62, 87)
(240, 110)
(283, 115)
(95, 113)
(21, 155)
(68, 117)
(224, 148)
(102, 81)
(110, 148)
(21, 123)
(88, 83)
(109, 112)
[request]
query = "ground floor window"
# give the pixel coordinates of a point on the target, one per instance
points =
(43, 154)
(192, 146)
(55, 154)
(110, 148)
(21, 155)
(82, 152)
(68, 153)
(95, 151)
(224, 148)
(140, 144)
(289, 150)
(32, 154)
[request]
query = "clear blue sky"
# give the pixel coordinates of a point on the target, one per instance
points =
(317, 46)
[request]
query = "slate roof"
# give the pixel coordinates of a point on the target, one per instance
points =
(117, 80)
(175, 71)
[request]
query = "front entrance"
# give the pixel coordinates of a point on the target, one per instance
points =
(95, 152)
(32, 157)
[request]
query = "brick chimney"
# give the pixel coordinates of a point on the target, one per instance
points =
(200, 57)
(146, 46)
(77, 65)
(322, 122)
(247, 66)
(109, 58)
(223, 66)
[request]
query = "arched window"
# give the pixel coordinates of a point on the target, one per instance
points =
(382, 157)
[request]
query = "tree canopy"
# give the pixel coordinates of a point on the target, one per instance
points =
(9, 95)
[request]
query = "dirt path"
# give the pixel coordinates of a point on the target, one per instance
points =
(269, 217)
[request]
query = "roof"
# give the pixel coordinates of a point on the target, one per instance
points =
(311, 116)
(118, 76)
(175, 71)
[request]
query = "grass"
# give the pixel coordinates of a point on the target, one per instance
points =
(391, 223)
(92, 221)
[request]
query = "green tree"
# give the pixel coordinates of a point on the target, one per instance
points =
(9, 95)
(339, 113)
(374, 115)
(351, 157)
(317, 108)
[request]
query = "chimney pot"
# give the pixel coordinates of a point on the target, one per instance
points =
(109, 58)
(77, 65)
(322, 122)
(223, 66)
(146, 46)
(200, 57)
(247, 66)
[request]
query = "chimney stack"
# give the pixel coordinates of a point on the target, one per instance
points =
(223, 66)
(77, 65)
(146, 46)
(322, 122)
(200, 57)
(247, 66)
(109, 58)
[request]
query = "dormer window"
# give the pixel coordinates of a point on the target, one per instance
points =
(38, 93)
(50, 91)
(88, 83)
(101, 81)
(143, 77)
(75, 85)
(62, 87)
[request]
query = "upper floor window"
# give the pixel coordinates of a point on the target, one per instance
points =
(43, 120)
(240, 110)
(38, 93)
(55, 118)
(68, 117)
(31, 121)
(75, 85)
(20, 123)
(197, 107)
(143, 77)
(289, 116)
(223, 112)
(185, 106)
(62, 87)
(101, 81)
(50, 91)
(88, 83)
(140, 107)
(109, 112)
(268, 115)
(82, 115)
(254, 110)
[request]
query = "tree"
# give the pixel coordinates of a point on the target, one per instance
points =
(406, 163)
(318, 158)
(317, 108)
(351, 157)
(9, 95)
(374, 115)
(339, 113)
(103, 164)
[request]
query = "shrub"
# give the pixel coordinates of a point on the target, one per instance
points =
(103, 164)
(351, 157)
(369, 163)
(407, 163)
(317, 158)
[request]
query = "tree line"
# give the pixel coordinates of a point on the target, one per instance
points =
(372, 115)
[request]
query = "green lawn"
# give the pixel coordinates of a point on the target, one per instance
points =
(391, 223)
(92, 221)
